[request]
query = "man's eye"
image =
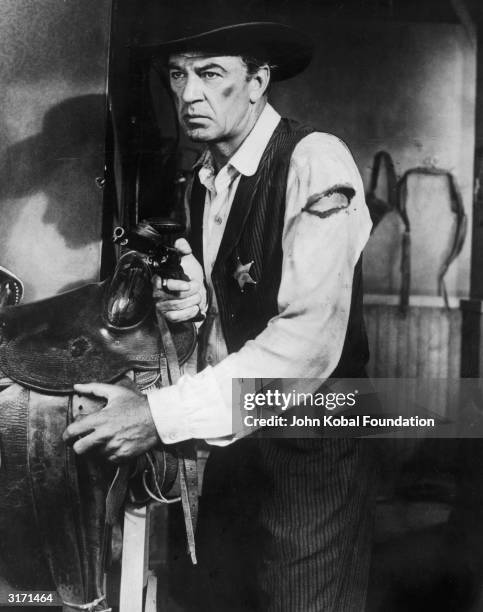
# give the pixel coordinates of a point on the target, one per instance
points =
(209, 75)
(176, 75)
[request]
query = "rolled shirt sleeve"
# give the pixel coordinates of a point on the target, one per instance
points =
(327, 224)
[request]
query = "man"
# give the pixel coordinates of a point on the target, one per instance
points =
(278, 220)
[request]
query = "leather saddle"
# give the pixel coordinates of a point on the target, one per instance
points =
(95, 333)
(57, 510)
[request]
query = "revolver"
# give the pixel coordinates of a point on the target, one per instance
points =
(148, 250)
(154, 240)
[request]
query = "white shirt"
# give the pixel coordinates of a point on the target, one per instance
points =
(220, 193)
(319, 254)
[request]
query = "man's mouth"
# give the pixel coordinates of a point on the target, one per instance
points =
(193, 117)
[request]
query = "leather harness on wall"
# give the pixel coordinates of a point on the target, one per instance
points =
(397, 201)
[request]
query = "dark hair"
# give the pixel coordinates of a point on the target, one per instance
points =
(253, 65)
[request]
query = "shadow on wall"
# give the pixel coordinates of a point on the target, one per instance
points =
(62, 162)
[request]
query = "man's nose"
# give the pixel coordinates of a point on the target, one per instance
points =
(192, 91)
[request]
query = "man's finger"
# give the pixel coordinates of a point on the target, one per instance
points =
(174, 316)
(87, 443)
(80, 427)
(183, 246)
(98, 389)
(159, 294)
(171, 284)
(180, 304)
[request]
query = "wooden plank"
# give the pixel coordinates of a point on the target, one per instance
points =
(424, 344)
(454, 363)
(133, 559)
(381, 366)
(151, 604)
(391, 339)
(445, 331)
(415, 301)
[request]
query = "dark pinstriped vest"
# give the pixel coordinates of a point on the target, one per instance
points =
(254, 233)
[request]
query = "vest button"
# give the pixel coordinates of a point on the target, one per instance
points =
(218, 220)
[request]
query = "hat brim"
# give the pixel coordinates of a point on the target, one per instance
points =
(286, 49)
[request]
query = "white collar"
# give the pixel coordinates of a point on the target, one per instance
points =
(247, 157)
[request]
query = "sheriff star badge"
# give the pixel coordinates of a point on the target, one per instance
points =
(242, 274)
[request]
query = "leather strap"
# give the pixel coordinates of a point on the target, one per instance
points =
(459, 236)
(405, 246)
(397, 200)
(188, 478)
(117, 493)
(163, 369)
(115, 499)
(169, 348)
(91, 606)
(187, 465)
(377, 206)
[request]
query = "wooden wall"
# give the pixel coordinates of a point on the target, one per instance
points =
(423, 344)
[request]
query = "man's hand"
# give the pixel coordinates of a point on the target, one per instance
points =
(189, 297)
(122, 429)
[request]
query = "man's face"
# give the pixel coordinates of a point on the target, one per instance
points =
(212, 95)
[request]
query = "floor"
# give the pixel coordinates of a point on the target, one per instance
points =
(428, 549)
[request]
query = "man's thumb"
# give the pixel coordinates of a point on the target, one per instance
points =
(97, 389)
(183, 246)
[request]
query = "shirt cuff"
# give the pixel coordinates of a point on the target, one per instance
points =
(192, 408)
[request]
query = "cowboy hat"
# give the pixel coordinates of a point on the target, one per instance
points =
(284, 48)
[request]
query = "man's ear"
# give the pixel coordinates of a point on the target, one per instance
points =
(259, 83)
